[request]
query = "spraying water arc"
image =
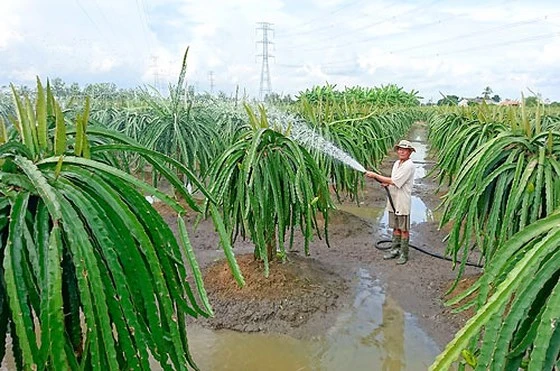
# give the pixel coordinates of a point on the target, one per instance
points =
(300, 132)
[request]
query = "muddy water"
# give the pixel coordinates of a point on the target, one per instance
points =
(373, 334)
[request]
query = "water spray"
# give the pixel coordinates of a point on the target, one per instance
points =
(298, 130)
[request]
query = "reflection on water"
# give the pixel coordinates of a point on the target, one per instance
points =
(372, 214)
(229, 350)
(373, 334)
(419, 213)
(420, 171)
(417, 137)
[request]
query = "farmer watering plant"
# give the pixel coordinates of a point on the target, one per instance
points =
(399, 186)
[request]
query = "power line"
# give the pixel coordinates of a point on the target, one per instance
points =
(352, 63)
(320, 18)
(473, 34)
(99, 31)
(376, 37)
(436, 42)
(367, 26)
(104, 18)
(516, 41)
(144, 24)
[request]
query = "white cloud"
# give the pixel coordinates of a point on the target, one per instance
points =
(425, 46)
(550, 54)
(25, 74)
(10, 24)
(103, 64)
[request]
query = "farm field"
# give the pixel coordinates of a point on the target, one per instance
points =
(138, 236)
(208, 185)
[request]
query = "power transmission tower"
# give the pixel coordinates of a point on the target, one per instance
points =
(265, 87)
(211, 78)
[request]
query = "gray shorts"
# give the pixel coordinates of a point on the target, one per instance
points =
(401, 222)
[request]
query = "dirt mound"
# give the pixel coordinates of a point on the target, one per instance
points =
(294, 291)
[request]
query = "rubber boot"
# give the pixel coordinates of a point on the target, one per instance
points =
(403, 256)
(395, 248)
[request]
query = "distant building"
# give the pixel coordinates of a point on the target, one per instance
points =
(465, 101)
(509, 102)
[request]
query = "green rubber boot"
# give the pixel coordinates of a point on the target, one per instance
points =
(395, 248)
(403, 256)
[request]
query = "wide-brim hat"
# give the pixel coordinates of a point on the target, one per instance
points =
(405, 144)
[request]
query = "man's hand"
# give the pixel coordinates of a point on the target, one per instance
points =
(385, 181)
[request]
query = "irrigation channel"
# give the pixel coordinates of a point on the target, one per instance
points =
(371, 333)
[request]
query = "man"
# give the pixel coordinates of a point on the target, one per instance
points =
(400, 188)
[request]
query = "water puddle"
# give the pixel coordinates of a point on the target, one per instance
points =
(374, 333)
(417, 137)
(419, 213)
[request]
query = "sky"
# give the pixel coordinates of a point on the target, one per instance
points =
(434, 47)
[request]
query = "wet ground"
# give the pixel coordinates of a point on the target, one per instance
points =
(361, 312)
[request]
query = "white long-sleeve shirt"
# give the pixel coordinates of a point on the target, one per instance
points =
(401, 192)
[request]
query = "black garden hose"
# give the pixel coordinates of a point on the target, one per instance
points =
(378, 246)
(378, 243)
(388, 196)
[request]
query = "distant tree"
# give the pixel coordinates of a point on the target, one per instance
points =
(102, 90)
(448, 100)
(58, 87)
(486, 92)
(278, 98)
(531, 101)
(472, 102)
(496, 98)
(75, 89)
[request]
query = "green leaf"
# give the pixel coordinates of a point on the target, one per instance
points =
(503, 292)
(184, 238)
(23, 124)
(228, 250)
(41, 185)
(60, 132)
(15, 285)
(41, 111)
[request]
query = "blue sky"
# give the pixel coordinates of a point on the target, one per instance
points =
(433, 46)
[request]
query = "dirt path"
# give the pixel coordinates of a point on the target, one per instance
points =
(302, 297)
